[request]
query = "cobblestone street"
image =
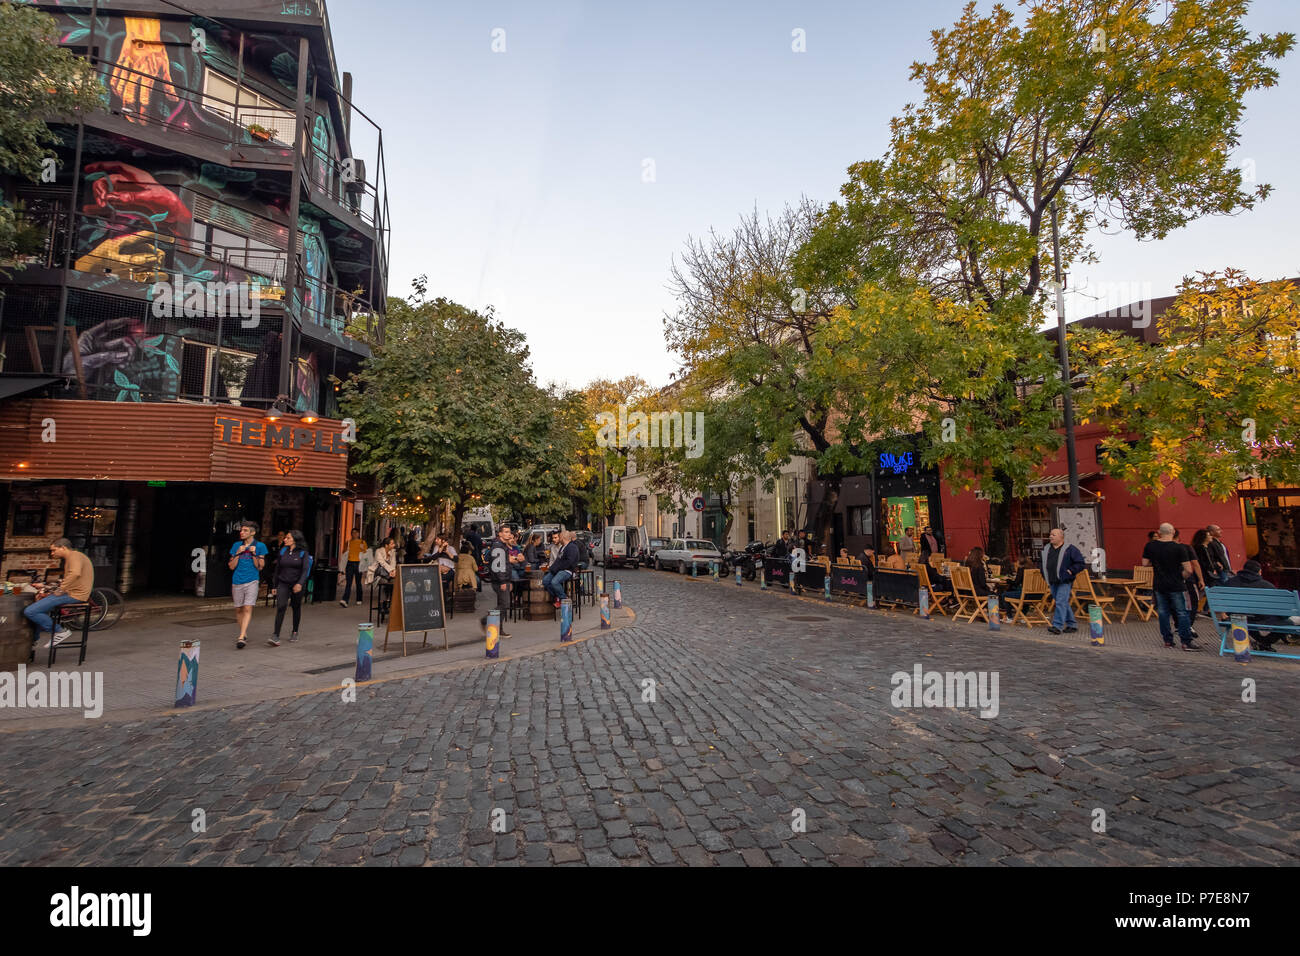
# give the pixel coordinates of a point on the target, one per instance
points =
(758, 721)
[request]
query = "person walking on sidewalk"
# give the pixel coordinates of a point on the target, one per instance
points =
(356, 547)
(291, 573)
(497, 559)
(562, 568)
(1061, 563)
(78, 581)
(1172, 569)
(247, 558)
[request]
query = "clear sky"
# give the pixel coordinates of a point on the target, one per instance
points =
(516, 178)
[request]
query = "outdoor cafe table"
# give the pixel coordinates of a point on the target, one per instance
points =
(1124, 586)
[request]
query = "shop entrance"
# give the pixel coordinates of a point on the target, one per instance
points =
(1271, 526)
(902, 515)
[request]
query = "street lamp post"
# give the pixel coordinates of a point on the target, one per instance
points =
(1070, 455)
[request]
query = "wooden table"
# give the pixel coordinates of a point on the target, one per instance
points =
(1129, 588)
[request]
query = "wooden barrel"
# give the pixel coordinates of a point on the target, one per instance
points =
(539, 606)
(15, 633)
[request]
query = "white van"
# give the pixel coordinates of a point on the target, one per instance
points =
(619, 546)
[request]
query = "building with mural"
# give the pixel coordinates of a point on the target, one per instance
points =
(213, 263)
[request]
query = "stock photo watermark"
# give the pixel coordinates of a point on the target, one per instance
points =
(654, 430)
(192, 299)
(946, 689)
(53, 690)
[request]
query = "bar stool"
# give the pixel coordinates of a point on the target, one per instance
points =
(64, 615)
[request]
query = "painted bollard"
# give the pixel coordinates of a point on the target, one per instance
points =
(365, 650)
(187, 674)
(762, 578)
(713, 570)
(618, 594)
(492, 641)
(738, 580)
(566, 619)
(871, 595)
(924, 602)
(604, 612)
(693, 574)
(995, 622)
(1095, 625)
(1240, 639)
(826, 587)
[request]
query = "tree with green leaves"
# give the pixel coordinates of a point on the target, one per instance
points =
(727, 457)
(448, 408)
(1114, 113)
(39, 82)
(1213, 400)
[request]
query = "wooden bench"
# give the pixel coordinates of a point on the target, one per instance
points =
(1269, 602)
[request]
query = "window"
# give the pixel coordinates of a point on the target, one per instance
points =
(207, 375)
(219, 95)
(860, 521)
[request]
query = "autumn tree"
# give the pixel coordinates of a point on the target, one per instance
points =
(1114, 114)
(1213, 400)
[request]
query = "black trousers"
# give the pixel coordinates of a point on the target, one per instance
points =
(502, 590)
(353, 570)
(284, 595)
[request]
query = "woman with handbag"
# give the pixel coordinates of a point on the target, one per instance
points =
(384, 570)
(292, 571)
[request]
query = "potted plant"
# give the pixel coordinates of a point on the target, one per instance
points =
(258, 131)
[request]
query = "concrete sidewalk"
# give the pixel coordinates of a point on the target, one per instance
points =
(138, 658)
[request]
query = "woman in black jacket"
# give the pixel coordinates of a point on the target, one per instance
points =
(978, 576)
(290, 581)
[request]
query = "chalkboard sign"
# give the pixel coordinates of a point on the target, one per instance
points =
(419, 587)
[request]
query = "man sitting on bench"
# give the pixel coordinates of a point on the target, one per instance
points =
(78, 581)
(1249, 577)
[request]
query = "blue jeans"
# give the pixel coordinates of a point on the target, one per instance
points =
(39, 612)
(1175, 601)
(1063, 614)
(555, 583)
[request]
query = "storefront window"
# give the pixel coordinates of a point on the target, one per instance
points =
(902, 514)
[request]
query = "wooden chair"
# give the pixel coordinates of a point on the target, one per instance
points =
(938, 599)
(968, 602)
(937, 561)
(995, 570)
(1028, 608)
(1140, 597)
(1084, 588)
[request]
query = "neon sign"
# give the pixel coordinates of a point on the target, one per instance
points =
(898, 464)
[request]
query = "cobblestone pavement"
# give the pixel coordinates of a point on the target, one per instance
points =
(757, 722)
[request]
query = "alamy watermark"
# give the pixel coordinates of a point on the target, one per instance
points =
(655, 430)
(192, 299)
(57, 690)
(951, 689)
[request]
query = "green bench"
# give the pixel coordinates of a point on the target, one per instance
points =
(1253, 601)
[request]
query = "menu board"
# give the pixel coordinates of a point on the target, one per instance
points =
(420, 589)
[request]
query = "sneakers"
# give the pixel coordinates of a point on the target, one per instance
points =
(1053, 630)
(345, 603)
(293, 638)
(358, 604)
(239, 644)
(273, 641)
(557, 602)
(1071, 630)
(61, 635)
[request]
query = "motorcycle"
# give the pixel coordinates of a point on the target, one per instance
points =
(746, 560)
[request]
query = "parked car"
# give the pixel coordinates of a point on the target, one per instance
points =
(653, 546)
(682, 553)
(618, 547)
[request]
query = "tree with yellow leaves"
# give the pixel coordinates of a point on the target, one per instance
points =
(1215, 399)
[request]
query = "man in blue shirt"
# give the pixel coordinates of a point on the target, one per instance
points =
(247, 555)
